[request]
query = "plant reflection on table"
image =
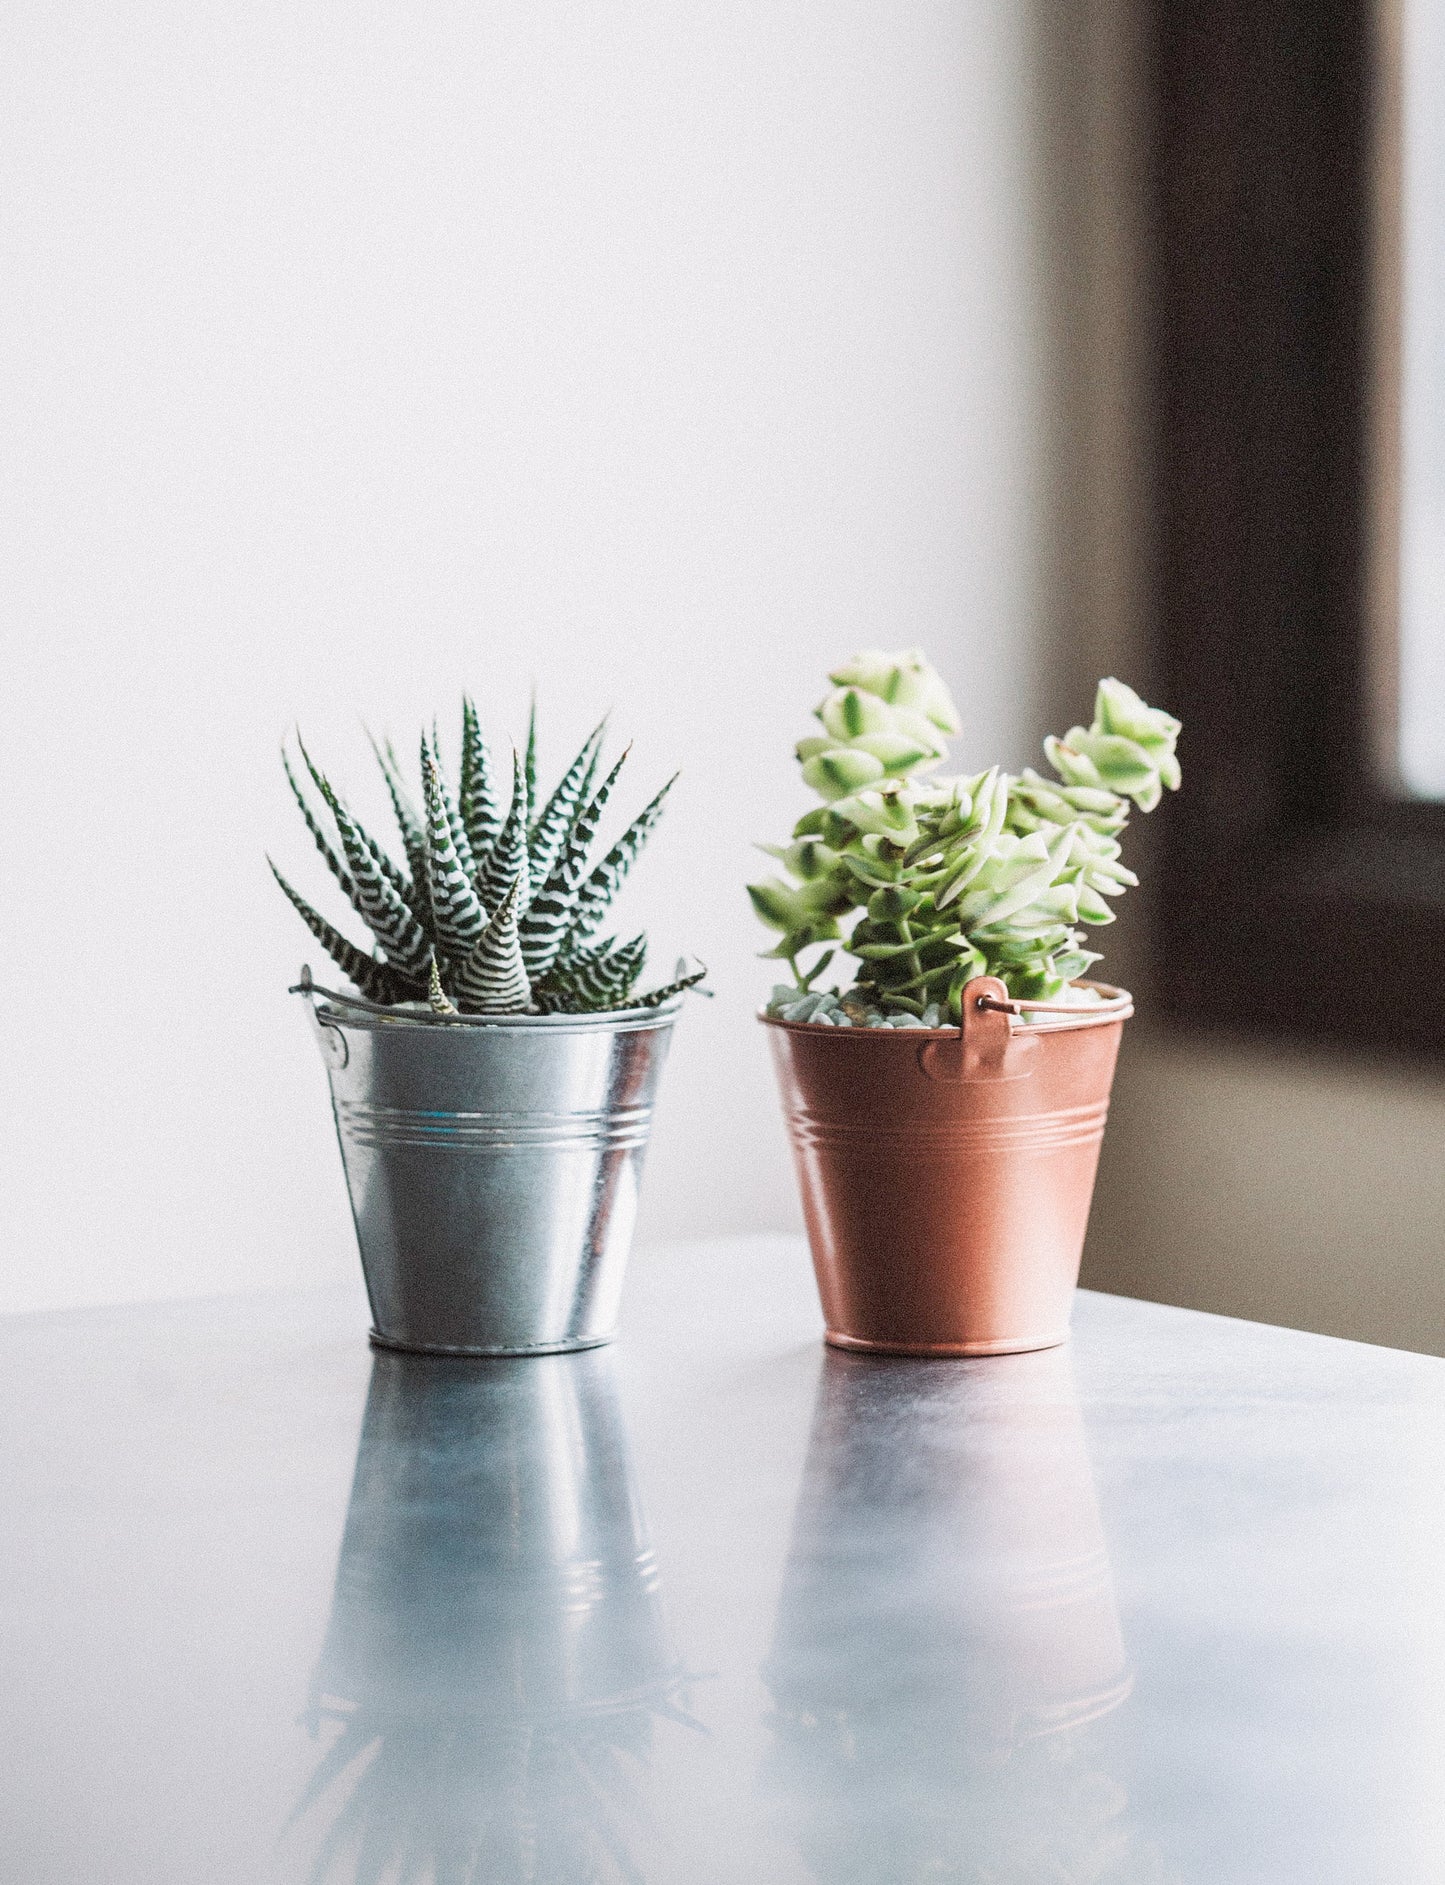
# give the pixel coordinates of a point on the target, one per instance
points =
(947, 1632)
(496, 1654)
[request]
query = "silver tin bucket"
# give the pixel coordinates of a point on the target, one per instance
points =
(493, 1165)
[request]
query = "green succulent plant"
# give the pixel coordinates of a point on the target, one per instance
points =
(941, 879)
(497, 908)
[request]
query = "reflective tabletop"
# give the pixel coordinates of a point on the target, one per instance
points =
(716, 1604)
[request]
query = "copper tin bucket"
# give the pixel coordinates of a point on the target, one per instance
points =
(947, 1174)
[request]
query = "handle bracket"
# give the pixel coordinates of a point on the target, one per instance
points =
(978, 1050)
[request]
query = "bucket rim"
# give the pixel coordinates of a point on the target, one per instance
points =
(1120, 1007)
(338, 1010)
(612, 1021)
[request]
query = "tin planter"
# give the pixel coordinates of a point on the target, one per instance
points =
(947, 1174)
(493, 1164)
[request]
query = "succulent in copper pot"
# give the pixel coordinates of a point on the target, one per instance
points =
(940, 879)
(947, 1104)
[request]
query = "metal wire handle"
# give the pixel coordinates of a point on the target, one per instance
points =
(1109, 1002)
(309, 988)
(1113, 1003)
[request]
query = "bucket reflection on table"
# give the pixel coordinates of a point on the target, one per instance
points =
(947, 1630)
(497, 1652)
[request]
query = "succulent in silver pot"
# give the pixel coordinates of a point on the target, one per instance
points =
(493, 1076)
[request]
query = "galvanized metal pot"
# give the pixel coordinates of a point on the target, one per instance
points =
(493, 1164)
(947, 1174)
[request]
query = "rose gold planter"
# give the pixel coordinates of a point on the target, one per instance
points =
(947, 1174)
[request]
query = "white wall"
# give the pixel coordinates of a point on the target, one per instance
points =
(354, 355)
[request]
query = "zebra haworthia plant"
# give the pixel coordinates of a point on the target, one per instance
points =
(944, 879)
(497, 908)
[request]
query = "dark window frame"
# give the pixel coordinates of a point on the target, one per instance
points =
(1301, 897)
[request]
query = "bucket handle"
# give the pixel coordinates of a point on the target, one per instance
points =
(305, 986)
(333, 1043)
(1117, 1005)
(977, 1051)
(990, 1021)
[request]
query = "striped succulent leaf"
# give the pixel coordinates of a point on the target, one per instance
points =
(398, 879)
(478, 802)
(549, 831)
(595, 896)
(493, 979)
(507, 864)
(546, 925)
(436, 995)
(461, 843)
(598, 978)
(589, 784)
(619, 969)
(333, 862)
(379, 890)
(435, 942)
(407, 945)
(377, 981)
(413, 831)
(683, 979)
(584, 830)
(457, 914)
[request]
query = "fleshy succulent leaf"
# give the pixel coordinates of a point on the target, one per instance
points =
(388, 915)
(507, 862)
(457, 914)
(598, 978)
(550, 829)
(589, 784)
(376, 981)
(595, 896)
(548, 922)
(436, 994)
(478, 804)
(397, 878)
(437, 944)
(333, 862)
(461, 844)
(683, 980)
(614, 975)
(409, 824)
(906, 679)
(379, 890)
(545, 926)
(493, 978)
(940, 880)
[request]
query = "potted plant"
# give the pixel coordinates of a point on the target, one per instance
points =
(493, 1076)
(946, 1108)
